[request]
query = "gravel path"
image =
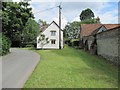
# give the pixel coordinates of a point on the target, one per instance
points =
(17, 67)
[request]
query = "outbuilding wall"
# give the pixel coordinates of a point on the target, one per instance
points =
(90, 41)
(107, 45)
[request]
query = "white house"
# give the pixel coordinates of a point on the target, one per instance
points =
(54, 36)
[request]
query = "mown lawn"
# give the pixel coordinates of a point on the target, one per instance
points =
(71, 68)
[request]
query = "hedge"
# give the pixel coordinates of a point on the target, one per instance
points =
(75, 42)
(68, 42)
(4, 44)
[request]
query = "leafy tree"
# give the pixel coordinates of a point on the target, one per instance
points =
(89, 21)
(72, 30)
(14, 18)
(43, 40)
(30, 31)
(0, 17)
(86, 14)
(0, 10)
(4, 44)
(42, 22)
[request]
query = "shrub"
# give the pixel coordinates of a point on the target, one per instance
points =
(67, 41)
(5, 44)
(75, 43)
(15, 44)
(29, 45)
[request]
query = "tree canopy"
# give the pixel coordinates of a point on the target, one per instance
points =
(42, 22)
(30, 31)
(14, 18)
(86, 14)
(72, 30)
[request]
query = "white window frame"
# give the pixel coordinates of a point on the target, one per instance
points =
(53, 33)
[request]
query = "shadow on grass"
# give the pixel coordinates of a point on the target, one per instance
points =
(98, 65)
(94, 62)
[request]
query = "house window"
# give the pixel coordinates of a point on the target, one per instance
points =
(53, 41)
(53, 33)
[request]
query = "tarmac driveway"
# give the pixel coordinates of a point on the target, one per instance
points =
(17, 67)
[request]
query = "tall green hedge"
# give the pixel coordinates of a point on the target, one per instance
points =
(5, 44)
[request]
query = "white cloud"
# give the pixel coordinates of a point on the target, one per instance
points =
(40, 10)
(76, 19)
(72, 10)
(106, 12)
(105, 18)
(48, 16)
(108, 17)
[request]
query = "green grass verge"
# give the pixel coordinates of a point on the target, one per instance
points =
(71, 68)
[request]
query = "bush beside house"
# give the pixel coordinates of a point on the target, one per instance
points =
(5, 44)
(75, 43)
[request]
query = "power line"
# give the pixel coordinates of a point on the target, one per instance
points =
(63, 14)
(46, 10)
(75, 15)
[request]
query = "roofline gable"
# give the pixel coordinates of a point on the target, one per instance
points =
(96, 30)
(55, 24)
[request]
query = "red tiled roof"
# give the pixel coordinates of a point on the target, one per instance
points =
(110, 26)
(87, 29)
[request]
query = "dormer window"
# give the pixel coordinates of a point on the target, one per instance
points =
(53, 33)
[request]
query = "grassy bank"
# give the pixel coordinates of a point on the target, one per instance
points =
(71, 68)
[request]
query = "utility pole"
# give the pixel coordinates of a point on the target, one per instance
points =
(60, 25)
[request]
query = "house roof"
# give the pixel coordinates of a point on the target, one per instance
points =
(43, 28)
(56, 25)
(88, 29)
(110, 26)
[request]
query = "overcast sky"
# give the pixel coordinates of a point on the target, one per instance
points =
(71, 9)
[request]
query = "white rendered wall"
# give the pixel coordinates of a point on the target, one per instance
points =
(47, 33)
